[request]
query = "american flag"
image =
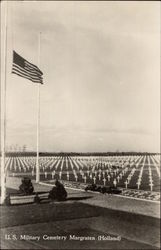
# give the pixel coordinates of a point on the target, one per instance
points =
(23, 68)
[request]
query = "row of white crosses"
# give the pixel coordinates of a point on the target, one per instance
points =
(28, 163)
(76, 163)
(80, 165)
(7, 165)
(54, 164)
(66, 165)
(101, 173)
(93, 171)
(50, 162)
(127, 182)
(82, 173)
(74, 172)
(120, 174)
(11, 163)
(151, 184)
(61, 168)
(150, 176)
(55, 168)
(132, 163)
(19, 164)
(104, 162)
(32, 163)
(14, 166)
(53, 174)
(7, 162)
(68, 176)
(140, 174)
(129, 177)
(57, 164)
(78, 169)
(45, 163)
(75, 175)
(24, 168)
(157, 165)
(158, 158)
(23, 165)
(46, 160)
(15, 163)
(43, 160)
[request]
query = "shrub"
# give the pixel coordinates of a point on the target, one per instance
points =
(58, 192)
(26, 188)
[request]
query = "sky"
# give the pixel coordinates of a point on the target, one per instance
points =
(101, 68)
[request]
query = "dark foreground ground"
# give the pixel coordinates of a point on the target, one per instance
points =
(80, 222)
(119, 230)
(129, 231)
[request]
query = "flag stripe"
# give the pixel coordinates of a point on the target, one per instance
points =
(38, 80)
(15, 66)
(20, 74)
(27, 77)
(16, 69)
(33, 66)
(32, 70)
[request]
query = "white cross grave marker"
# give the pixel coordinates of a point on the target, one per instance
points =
(126, 183)
(60, 174)
(151, 186)
(104, 181)
(53, 174)
(114, 182)
(76, 177)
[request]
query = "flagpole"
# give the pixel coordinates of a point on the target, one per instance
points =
(3, 116)
(38, 119)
